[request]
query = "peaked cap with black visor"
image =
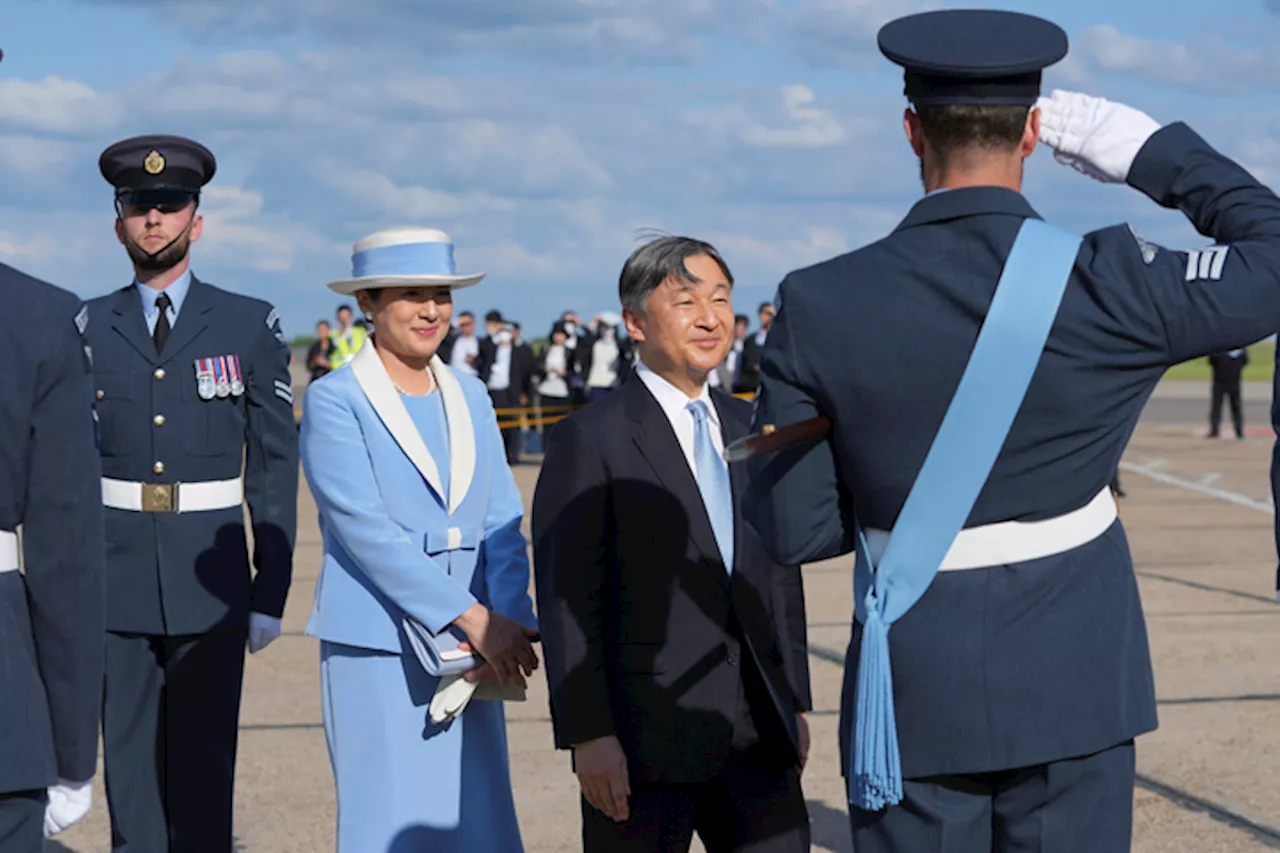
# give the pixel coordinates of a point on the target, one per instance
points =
(157, 171)
(972, 56)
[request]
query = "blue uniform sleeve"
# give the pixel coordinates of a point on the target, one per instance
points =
(571, 565)
(506, 553)
(64, 551)
(1223, 296)
(336, 463)
(794, 500)
(271, 466)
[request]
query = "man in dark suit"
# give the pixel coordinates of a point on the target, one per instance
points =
(51, 612)
(676, 652)
(748, 379)
(1227, 367)
(196, 405)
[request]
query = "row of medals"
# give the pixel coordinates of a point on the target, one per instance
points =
(208, 385)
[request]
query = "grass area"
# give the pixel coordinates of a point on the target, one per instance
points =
(1260, 367)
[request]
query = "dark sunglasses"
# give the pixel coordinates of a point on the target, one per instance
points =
(165, 201)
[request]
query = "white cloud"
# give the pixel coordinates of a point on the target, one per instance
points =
(412, 203)
(55, 105)
(837, 32)
(811, 127)
(32, 156)
(1207, 64)
(238, 234)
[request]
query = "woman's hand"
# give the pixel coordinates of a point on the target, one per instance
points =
(505, 644)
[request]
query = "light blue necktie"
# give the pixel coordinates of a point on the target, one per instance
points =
(957, 466)
(713, 482)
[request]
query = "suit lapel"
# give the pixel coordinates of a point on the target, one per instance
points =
(192, 320)
(658, 444)
(378, 388)
(462, 442)
(126, 318)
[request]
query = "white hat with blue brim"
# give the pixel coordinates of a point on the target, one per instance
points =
(403, 257)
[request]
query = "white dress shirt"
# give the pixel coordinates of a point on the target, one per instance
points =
(675, 405)
(500, 370)
(464, 346)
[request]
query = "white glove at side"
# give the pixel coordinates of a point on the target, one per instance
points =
(1095, 136)
(451, 697)
(68, 803)
(262, 630)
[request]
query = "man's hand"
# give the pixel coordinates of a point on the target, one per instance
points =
(484, 674)
(1093, 135)
(601, 766)
(263, 630)
(503, 643)
(802, 731)
(68, 803)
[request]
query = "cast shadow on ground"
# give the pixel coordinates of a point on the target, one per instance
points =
(829, 828)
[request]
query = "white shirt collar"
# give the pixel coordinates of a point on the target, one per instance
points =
(673, 401)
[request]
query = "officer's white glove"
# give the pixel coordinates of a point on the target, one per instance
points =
(452, 695)
(262, 630)
(68, 803)
(1093, 135)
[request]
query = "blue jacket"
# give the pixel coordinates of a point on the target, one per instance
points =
(52, 612)
(394, 544)
(1007, 666)
(189, 573)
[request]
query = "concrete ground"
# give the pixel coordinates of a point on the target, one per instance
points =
(1199, 520)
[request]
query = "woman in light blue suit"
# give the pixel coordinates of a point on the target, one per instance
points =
(421, 522)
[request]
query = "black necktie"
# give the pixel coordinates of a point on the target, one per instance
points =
(161, 334)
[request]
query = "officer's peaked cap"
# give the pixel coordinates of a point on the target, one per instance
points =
(157, 162)
(972, 56)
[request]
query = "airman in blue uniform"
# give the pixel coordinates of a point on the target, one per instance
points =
(196, 407)
(51, 582)
(1022, 675)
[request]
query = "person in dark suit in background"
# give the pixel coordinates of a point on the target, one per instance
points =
(1227, 367)
(675, 650)
(748, 380)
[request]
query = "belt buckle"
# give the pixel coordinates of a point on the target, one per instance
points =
(159, 497)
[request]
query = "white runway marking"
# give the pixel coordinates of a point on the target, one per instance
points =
(1153, 470)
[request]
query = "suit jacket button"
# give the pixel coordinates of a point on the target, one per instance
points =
(159, 374)
(733, 658)
(158, 420)
(158, 467)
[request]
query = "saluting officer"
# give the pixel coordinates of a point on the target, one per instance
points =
(1020, 670)
(196, 408)
(51, 611)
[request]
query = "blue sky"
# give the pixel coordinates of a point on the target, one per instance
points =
(543, 135)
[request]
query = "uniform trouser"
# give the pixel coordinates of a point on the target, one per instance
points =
(170, 716)
(22, 821)
(1069, 806)
(1229, 388)
(508, 398)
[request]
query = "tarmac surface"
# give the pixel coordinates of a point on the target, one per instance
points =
(1199, 519)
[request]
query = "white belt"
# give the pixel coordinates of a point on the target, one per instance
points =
(171, 498)
(8, 551)
(1009, 542)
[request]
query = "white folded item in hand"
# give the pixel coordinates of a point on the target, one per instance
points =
(439, 653)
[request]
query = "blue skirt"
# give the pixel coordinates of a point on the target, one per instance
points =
(404, 784)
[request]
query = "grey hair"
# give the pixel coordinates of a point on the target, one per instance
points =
(658, 260)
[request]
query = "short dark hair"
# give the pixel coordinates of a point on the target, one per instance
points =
(466, 314)
(493, 317)
(762, 306)
(343, 307)
(740, 318)
(658, 260)
(960, 127)
(515, 326)
(322, 322)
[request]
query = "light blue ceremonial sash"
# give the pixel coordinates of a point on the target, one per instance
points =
(973, 430)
